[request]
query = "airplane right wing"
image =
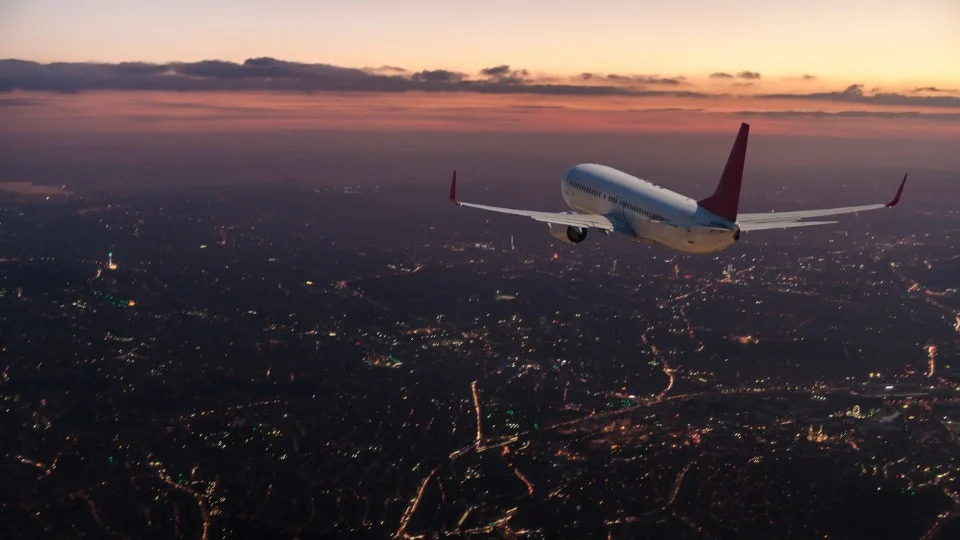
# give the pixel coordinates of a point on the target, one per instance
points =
(782, 220)
(764, 225)
(584, 221)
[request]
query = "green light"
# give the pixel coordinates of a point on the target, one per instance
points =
(109, 254)
(110, 459)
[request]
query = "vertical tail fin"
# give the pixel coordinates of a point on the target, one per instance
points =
(726, 199)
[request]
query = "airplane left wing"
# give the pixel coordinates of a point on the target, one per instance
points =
(780, 220)
(584, 221)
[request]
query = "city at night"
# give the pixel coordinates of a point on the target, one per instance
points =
(435, 270)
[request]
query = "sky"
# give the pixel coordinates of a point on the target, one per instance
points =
(858, 67)
(889, 41)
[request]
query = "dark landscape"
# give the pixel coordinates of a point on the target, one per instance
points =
(316, 356)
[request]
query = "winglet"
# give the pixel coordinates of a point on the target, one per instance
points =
(453, 189)
(896, 199)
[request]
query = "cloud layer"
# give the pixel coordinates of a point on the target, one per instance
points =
(278, 75)
(854, 94)
(269, 74)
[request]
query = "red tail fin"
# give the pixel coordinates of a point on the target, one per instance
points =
(726, 199)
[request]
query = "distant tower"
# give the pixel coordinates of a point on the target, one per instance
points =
(512, 248)
(614, 269)
(110, 263)
(676, 271)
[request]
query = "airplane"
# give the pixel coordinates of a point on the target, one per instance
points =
(609, 200)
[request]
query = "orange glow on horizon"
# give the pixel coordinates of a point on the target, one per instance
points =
(238, 112)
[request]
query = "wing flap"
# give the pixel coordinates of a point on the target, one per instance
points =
(586, 221)
(761, 226)
(691, 225)
(803, 214)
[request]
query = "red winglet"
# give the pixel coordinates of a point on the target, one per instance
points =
(453, 189)
(896, 199)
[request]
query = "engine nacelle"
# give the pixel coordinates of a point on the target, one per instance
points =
(568, 234)
(736, 233)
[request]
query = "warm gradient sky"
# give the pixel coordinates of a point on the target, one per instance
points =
(860, 66)
(883, 41)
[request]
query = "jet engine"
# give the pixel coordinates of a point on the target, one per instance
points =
(736, 233)
(568, 234)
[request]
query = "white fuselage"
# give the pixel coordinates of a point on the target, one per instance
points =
(638, 207)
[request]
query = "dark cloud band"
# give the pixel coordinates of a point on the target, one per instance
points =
(269, 74)
(277, 75)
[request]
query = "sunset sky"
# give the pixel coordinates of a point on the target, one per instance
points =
(816, 65)
(887, 41)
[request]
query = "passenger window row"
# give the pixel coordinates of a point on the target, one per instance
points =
(641, 211)
(628, 206)
(585, 189)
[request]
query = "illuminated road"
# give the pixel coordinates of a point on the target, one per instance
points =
(524, 480)
(664, 365)
(678, 484)
(667, 371)
(412, 507)
(932, 351)
(204, 513)
(946, 517)
(476, 406)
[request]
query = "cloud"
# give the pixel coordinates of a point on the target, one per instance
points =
(437, 76)
(270, 74)
(647, 79)
(742, 84)
(503, 74)
(854, 94)
(855, 90)
(20, 102)
(665, 109)
(949, 117)
(253, 74)
(538, 107)
(808, 77)
(496, 71)
(934, 89)
(204, 107)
